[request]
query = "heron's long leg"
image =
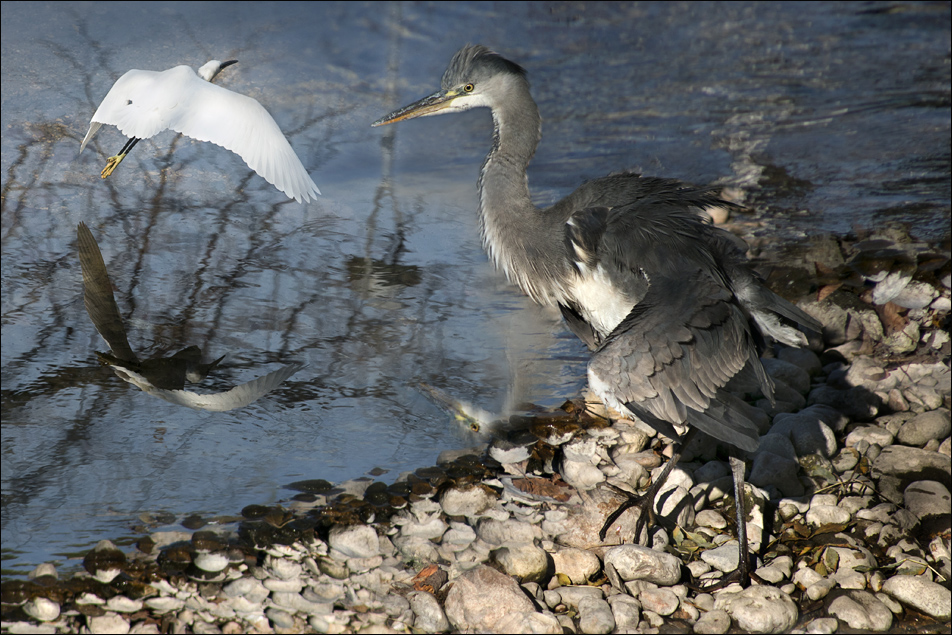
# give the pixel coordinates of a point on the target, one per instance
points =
(645, 502)
(742, 572)
(113, 162)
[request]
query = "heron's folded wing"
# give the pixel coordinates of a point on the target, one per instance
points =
(670, 359)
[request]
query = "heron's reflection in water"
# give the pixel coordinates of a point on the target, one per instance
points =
(162, 377)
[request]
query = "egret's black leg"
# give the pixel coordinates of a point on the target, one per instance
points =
(113, 162)
(645, 502)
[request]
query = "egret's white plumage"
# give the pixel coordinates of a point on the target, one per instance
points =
(143, 103)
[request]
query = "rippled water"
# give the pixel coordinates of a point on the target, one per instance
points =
(831, 117)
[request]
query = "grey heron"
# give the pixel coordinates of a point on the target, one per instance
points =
(144, 103)
(667, 303)
(162, 377)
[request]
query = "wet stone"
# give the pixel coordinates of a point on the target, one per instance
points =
(42, 609)
(429, 617)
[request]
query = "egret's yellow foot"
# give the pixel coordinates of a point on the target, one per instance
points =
(111, 164)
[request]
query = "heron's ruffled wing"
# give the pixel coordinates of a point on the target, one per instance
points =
(98, 297)
(242, 125)
(670, 359)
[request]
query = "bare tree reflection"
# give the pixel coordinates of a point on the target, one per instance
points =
(162, 377)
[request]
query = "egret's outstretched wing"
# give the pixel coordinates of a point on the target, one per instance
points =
(669, 361)
(98, 297)
(237, 397)
(143, 103)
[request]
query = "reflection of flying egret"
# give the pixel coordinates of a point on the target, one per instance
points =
(144, 103)
(162, 377)
(667, 303)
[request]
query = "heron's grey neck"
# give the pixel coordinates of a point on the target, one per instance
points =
(521, 239)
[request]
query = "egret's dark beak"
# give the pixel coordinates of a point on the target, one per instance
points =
(432, 105)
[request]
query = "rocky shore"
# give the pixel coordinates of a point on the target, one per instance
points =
(848, 509)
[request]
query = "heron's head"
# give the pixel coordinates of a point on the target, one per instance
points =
(210, 69)
(475, 77)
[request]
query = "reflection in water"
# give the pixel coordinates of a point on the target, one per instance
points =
(162, 377)
(144, 103)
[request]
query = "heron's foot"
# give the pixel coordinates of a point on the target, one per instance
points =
(741, 575)
(111, 164)
(644, 505)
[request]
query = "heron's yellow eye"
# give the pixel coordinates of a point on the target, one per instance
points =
(468, 88)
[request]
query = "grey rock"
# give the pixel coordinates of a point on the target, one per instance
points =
(430, 618)
(857, 403)
(861, 610)
(927, 499)
(714, 622)
(925, 427)
(921, 594)
(808, 430)
(803, 358)
(595, 616)
(122, 604)
(522, 560)
(661, 601)
(820, 515)
(723, 558)
(498, 532)
(912, 464)
(109, 624)
(772, 470)
(710, 518)
(481, 597)
(354, 541)
(626, 611)
(822, 626)
(634, 562)
(573, 595)
(42, 609)
(872, 434)
(581, 474)
(790, 374)
(529, 622)
(466, 500)
(579, 565)
(760, 609)
(279, 618)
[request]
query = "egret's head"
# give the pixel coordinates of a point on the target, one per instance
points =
(212, 68)
(475, 77)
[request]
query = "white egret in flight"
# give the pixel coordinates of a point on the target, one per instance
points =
(143, 103)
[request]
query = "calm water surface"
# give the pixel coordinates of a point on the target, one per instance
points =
(830, 117)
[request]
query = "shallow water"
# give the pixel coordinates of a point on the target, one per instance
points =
(831, 117)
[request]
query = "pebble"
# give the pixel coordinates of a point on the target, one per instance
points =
(760, 609)
(430, 617)
(42, 609)
(595, 616)
(925, 427)
(921, 594)
(714, 622)
(634, 562)
(578, 565)
(661, 601)
(861, 610)
(481, 597)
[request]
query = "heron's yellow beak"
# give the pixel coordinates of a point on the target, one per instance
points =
(435, 104)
